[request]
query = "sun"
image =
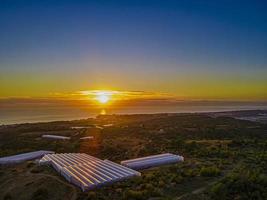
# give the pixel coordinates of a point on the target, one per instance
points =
(103, 98)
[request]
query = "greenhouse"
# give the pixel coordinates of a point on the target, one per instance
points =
(23, 157)
(87, 138)
(86, 171)
(56, 137)
(152, 161)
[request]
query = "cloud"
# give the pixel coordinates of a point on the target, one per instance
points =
(87, 99)
(116, 95)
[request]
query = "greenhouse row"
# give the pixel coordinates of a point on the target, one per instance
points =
(57, 137)
(23, 157)
(152, 161)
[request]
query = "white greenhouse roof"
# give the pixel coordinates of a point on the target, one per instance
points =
(99, 127)
(81, 127)
(87, 138)
(23, 157)
(56, 137)
(86, 171)
(152, 161)
(108, 125)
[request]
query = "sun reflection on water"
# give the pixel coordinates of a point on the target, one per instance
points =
(103, 112)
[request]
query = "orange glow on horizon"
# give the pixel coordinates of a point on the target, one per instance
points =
(107, 96)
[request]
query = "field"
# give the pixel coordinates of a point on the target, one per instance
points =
(225, 158)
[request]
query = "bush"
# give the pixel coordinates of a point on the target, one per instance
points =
(245, 184)
(30, 164)
(7, 196)
(91, 195)
(36, 170)
(210, 171)
(132, 194)
(40, 194)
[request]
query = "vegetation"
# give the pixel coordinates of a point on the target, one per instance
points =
(40, 194)
(225, 158)
(210, 171)
(241, 184)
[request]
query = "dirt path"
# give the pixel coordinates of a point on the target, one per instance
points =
(201, 189)
(198, 190)
(73, 195)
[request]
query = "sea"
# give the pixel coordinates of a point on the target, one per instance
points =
(46, 113)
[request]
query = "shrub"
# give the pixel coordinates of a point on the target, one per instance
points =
(7, 196)
(40, 194)
(132, 194)
(210, 171)
(36, 170)
(91, 195)
(244, 184)
(30, 164)
(161, 183)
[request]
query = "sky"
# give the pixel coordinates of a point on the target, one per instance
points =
(208, 50)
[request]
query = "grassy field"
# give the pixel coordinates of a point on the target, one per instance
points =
(225, 158)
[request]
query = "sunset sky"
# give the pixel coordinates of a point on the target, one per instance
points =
(184, 49)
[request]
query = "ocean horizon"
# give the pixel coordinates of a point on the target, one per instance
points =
(47, 114)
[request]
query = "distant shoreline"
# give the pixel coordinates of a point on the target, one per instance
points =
(240, 113)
